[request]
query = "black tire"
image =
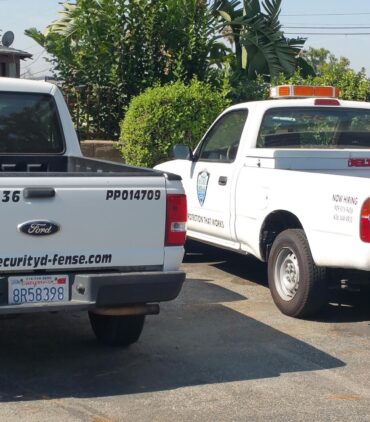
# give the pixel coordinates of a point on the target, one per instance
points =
(117, 330)
(298, 287)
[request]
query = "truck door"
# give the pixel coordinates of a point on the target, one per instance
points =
(210, 186)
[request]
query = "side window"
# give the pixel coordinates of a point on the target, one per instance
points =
(222, 141)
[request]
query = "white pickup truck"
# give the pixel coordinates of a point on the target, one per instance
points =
(286, 180)
(79, 233)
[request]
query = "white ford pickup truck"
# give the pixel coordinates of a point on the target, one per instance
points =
(286, 180)
(80, 233)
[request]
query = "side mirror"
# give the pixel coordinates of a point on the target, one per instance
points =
(181, 152)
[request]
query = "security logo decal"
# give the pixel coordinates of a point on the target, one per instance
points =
(202, 184)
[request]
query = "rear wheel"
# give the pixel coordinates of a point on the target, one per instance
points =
(117, 330)
(297, 285)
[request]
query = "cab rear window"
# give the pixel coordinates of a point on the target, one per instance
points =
(315, 127)
(29, 124)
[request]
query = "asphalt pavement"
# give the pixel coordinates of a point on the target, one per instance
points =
(220, 352)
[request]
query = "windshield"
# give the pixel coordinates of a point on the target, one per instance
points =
(29, 124)
(315, 127)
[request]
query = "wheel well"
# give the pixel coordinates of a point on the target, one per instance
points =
(274, 224)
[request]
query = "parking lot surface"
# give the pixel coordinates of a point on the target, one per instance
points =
(220, 352)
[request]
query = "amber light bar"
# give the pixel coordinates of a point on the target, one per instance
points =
(303, 91)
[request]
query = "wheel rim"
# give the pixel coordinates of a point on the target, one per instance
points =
(287, 274)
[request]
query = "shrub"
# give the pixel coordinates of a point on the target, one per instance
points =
(244, 89)
(352, 85)
(164, 116)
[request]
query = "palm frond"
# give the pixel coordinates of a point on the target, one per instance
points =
(229, 6)
(273, 9)
(66, 25)
(251, 8)
(259, 31)
(36, 35)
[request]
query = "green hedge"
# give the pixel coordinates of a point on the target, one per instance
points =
(167, 115)
(352, 85)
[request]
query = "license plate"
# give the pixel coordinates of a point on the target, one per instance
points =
(38, 289)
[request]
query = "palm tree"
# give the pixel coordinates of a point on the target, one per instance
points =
(260, 45)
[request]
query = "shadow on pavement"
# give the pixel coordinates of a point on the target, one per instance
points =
(344, 305)
(194, 341)
(243, 266)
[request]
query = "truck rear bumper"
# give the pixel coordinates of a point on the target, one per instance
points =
(91, 291)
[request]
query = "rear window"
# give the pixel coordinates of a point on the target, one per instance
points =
(29, 124)
(315, 127)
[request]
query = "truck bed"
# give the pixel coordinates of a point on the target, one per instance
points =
(58, 165)
(99, 208)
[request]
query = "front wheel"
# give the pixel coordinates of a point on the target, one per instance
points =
(298, 287)
(117, 330)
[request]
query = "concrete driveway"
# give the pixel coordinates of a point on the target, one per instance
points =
(220, 352)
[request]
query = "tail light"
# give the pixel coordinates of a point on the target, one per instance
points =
(365, 221)
(176, 217)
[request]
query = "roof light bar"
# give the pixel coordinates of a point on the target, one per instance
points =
(303, 91)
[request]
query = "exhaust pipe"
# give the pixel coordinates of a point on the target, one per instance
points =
(147, 309)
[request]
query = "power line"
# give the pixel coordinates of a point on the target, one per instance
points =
(35, 45)
(327, 33)
(329, 24)
(34, 61)
(36, 73)
(325, 27)
(40, 71)
(329, 14)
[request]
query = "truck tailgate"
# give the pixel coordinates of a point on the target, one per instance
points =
(110, 222)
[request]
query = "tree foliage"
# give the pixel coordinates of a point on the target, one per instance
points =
(243, 89)
(106, 52)
(164, 116)
(332, 71)
(260, 45)
(317, 57)
(114, 49)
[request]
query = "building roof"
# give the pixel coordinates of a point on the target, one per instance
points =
(8, 51)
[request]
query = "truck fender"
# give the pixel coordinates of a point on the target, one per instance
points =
(273, 224)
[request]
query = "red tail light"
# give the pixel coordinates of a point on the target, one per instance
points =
(365, 221)
(176, 218)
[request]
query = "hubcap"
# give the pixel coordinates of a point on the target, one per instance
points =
(287, 274)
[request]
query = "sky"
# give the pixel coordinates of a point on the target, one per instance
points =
(333, 23)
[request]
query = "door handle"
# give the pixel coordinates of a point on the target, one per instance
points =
(38, 193)
(222, 180)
